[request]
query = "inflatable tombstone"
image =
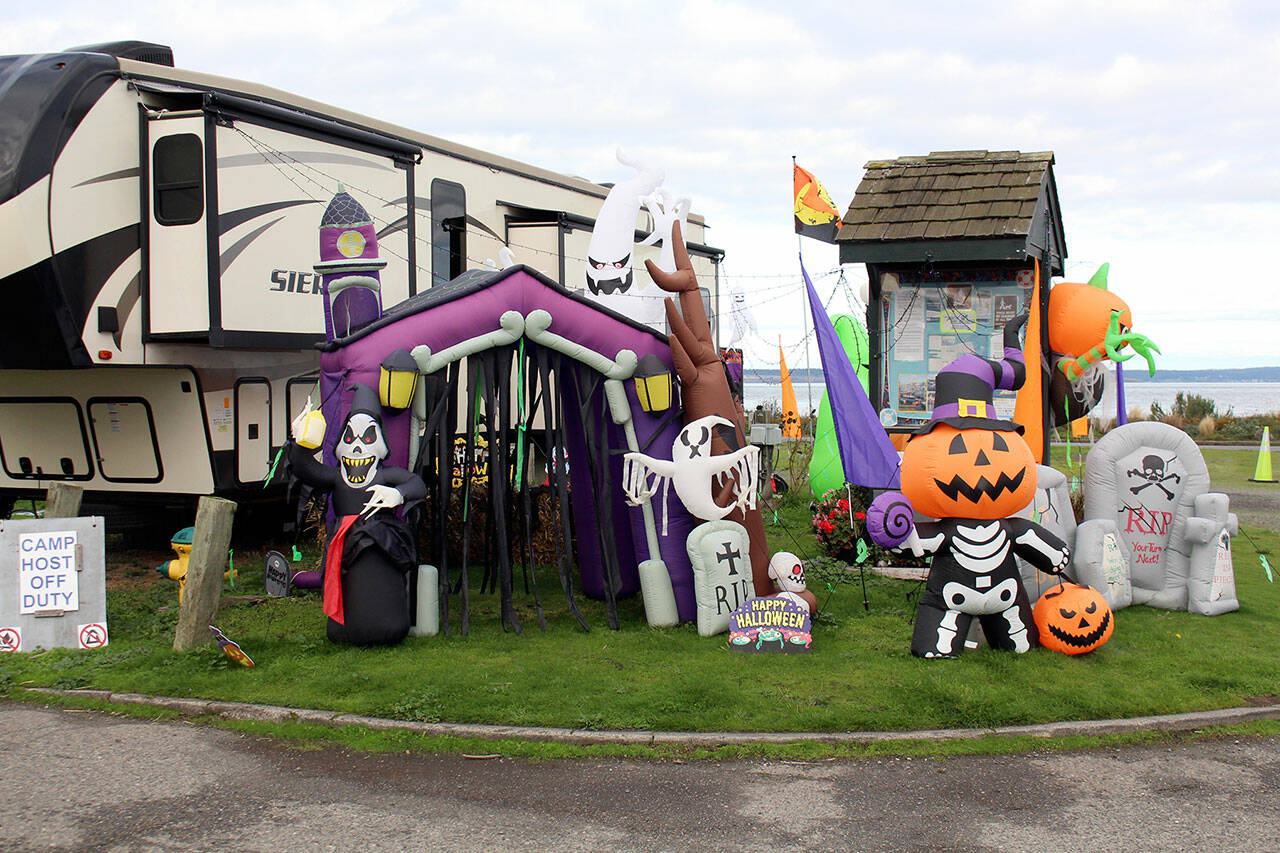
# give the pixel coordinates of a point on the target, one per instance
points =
(371, 548)
(720, 552)
(1101, 559)
(1211, 585)
(1146, 478)
(1051, 509)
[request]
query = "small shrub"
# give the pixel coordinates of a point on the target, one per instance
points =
(422, 706)
(1193, 407)
(1136, 414)
(1207, 427)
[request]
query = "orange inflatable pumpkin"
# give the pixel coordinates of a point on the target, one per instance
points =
(968, 473)
(1079, 314)
(1073, 619)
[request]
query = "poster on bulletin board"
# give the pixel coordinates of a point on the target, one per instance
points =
(931, 318)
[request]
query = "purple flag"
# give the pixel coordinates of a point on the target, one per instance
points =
(869, 458)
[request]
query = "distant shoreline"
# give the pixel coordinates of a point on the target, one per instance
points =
(1135, 373)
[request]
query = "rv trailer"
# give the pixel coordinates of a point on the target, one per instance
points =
(158, 234)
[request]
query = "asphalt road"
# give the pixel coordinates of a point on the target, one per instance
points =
(90, 781)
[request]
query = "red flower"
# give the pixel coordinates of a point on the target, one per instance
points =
(842, 505)
(861, 516)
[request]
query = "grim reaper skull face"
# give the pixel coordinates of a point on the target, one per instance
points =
(360, 448)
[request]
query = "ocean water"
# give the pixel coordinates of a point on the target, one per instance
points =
(1241, 398)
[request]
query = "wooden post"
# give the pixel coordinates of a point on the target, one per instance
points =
(63, 500)
(205, 566)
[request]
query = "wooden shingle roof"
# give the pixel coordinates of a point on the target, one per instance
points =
(994, 200)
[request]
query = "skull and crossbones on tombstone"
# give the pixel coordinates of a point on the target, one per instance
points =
(1153, 472)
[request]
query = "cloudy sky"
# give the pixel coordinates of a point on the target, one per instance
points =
(1163, 116)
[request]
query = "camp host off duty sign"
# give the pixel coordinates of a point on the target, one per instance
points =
(47, 572)
(53, 591)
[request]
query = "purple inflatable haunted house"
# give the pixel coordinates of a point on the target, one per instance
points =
(551, 386)
(348, 267)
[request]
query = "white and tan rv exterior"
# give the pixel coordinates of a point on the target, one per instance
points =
(157, 249)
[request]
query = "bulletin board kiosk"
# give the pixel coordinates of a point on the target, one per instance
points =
(953, 242)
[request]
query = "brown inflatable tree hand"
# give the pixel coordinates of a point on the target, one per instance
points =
(704, 388)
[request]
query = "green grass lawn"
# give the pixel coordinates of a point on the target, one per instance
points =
(860, 674)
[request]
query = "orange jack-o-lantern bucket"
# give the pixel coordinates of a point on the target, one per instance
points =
(1073, 619)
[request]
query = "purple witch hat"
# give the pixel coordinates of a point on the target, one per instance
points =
(963, 389)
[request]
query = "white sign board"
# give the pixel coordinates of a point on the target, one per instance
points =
(53, 591)
(47, 572)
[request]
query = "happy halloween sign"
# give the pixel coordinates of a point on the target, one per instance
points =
(770, 625)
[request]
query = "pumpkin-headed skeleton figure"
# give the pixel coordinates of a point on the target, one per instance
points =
(970, 470)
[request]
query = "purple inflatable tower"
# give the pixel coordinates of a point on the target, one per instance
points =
(348, 267)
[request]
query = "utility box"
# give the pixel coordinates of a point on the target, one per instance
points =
(53, 584)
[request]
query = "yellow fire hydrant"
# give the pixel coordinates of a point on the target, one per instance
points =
(176, 569)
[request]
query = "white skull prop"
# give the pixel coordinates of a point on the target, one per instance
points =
(786, 569)
(360, 448)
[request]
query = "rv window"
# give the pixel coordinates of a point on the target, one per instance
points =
(448, 231)
(177, 169)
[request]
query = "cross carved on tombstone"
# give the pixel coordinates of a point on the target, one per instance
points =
(732, 556)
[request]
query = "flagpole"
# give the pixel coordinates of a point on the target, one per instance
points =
(808, 370)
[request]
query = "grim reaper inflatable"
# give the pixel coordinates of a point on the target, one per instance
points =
(370, 546)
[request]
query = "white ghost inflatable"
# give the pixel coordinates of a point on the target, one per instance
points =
(744, 322)
(610, 277)
(666, 211)
(695, 474)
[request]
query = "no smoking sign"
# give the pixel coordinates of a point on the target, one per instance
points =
(10, 640)
(92, 636)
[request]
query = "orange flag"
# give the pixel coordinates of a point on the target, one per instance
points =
(790, 412)
(1029, 408)
(816, 215)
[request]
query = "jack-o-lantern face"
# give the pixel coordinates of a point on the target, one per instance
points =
(968, 473)
(1073, 619)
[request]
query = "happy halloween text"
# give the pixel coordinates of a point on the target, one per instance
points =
(770, 613)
